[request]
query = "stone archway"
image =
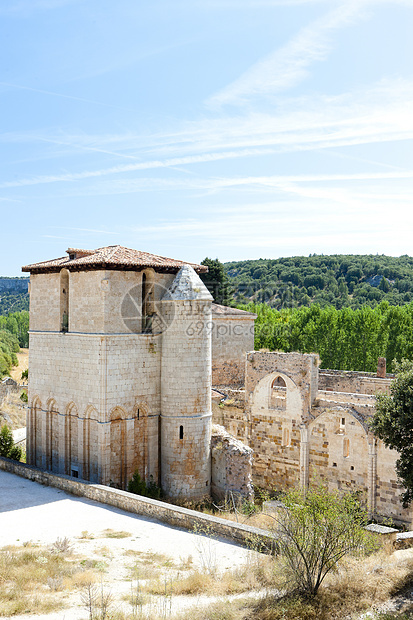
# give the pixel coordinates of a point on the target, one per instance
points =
(34, 433)
(52, 436)
(275, 431)
(342, 452)
(118, 452)
(71, 435)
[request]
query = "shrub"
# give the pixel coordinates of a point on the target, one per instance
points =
(7, 446)
(140, 487)
(314, 531)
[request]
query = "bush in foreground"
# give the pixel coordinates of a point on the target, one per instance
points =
(314, 531)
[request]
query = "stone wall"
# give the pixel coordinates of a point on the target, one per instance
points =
(231, 466)
(186, 399)
(353, 382)
(108, 426)
(299, 433)
(106, 396)
(232, 336)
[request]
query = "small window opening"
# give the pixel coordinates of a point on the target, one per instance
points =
(352, 467)
(138, 414)
(146, 306)
(343, 421)
(64, 300)
(75, 473)
(181, 432)
(286, 440)
(346, 447)
(334, 464)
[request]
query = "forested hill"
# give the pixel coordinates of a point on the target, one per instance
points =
(341, 280)
(14, 294)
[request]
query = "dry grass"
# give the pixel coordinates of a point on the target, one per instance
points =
(360, 585)
(108, 533)
(32, 578)
(252, 576)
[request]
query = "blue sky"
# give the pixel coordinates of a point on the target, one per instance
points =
(189, 128)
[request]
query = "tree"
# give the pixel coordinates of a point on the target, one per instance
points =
(217, 282)
(314, 531)
(7, 446)
(393, 424)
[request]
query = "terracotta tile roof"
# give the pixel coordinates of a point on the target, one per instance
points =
(218, 310)
(111, 257)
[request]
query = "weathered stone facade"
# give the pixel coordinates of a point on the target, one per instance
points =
(232, 336)
(120, 370)
(306, 424)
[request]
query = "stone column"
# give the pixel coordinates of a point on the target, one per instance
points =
(372, 478)
(304, 458)
(381, 367)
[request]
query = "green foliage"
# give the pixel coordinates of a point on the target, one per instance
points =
(7, 446)
(314, 531)
(345, 339)
(217, 282)
(339, 280)
(25, 374)
(393, 423)
(17, 323)
(14, 294)
(24, 397)
(9, 345)
(139, 487)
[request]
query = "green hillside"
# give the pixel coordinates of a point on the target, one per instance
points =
(14, 295)
(340, 280)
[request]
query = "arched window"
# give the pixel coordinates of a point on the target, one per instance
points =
(64, 300)
(278, 394)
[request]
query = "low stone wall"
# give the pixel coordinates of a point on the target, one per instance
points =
(353, 381)
(347, 398)
(153, 509)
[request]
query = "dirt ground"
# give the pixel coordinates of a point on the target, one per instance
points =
(13, 409)
(16, 371)
(124, 547)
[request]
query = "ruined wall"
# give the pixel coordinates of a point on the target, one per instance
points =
(231, 466)
(280, 388)
(353, 382)
(339, 449)
(228, 410)
(299, 432)
(232, 336)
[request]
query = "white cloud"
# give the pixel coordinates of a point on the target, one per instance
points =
(289, 65)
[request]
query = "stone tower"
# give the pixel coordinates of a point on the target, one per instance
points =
(120, 369)
(186, 387)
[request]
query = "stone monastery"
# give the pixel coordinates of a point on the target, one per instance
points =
(125, 347)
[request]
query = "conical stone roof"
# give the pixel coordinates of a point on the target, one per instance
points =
(187, 285)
